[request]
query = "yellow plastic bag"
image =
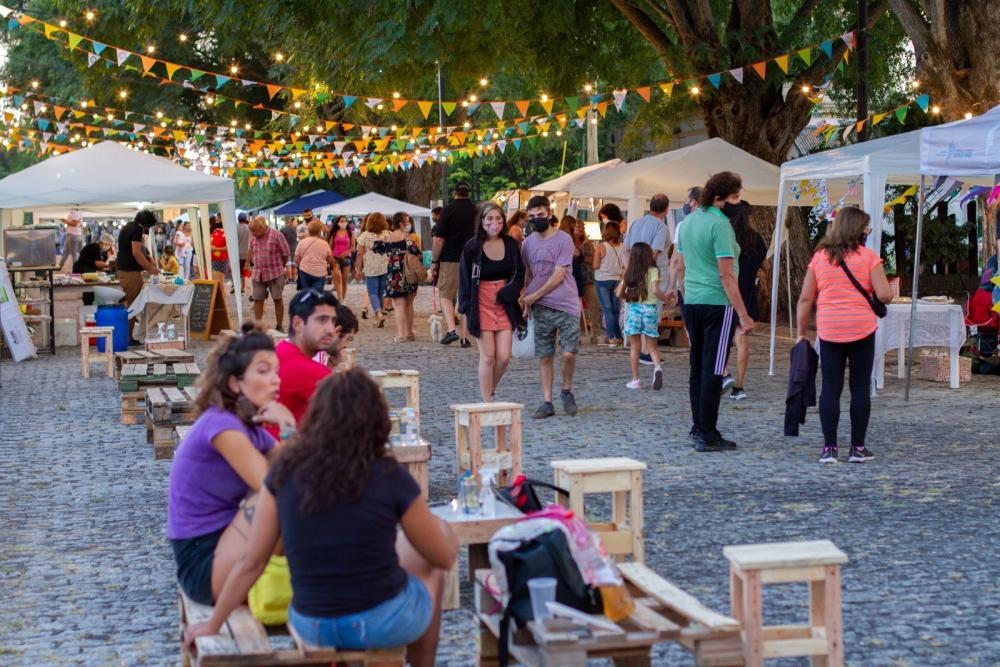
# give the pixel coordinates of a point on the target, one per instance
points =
(270, 596)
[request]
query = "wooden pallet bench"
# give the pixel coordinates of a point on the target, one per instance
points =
(146, 357)
(137, 376)
(133, 407)
(557, 642)
(712, 638)
(244, 641)
(166, 408)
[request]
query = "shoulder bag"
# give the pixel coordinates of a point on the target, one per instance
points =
(877, 306)
(413, 267)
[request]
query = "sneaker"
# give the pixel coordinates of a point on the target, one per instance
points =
(860, 455)
(738, 394)
(725, 443)
(544, 410)
(449, 337)
(645, 359)
(657, 378)
(569, 402)
(634, 384)
(727, 382)
(829, 454)
(703, 444)
(465, 343)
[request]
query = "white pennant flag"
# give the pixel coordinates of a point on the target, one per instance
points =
(502, 145)
(39, 106)
(5, 11)
(122, 55)
(737, 74)
(46, 135)
(136, 127)
(498, 108)
(619, 96)
(373, 102)
(92, 58)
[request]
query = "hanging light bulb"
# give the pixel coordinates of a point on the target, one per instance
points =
(279, 56)
(34, 84)
(806, 88)
(150, 49)
(90, 15)
(695, 90)
(935, 109)
(159, 114)
(234, 69)
(182, 37)
(395, 96)
(968, 115)
(544, 97)
(484, 82)
(587, 87)
(123, 93)
(473, 98)
(62, 23)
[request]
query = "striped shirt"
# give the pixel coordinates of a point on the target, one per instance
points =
(842, 314)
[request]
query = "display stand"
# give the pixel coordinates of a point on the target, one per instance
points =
(44, 287)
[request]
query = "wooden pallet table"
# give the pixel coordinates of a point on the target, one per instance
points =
(167, 408)
(561, 643)
(133, 407)
(147, 357)
(141, 375)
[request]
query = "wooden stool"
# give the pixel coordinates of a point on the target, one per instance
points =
(351, 360)
(818, 563)
(622, 478)
(409, 381)
(470, 418)
(108, 356)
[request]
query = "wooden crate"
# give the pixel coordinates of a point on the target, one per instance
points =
(133, 407)
(147, 357)
(167, 408)
(935, 366)
(140, 375)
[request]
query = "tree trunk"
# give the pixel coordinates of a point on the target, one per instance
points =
(955, 43)
(417, 186)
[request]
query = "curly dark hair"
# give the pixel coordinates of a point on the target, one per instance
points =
(231, 358)
(345, 430)
(720, 186)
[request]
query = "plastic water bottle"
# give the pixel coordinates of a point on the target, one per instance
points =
(410, 428)
(468, 494)
(487, 497)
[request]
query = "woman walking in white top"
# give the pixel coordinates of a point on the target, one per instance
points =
(183, 249)
(610, 259)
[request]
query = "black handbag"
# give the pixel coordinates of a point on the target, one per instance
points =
(522, 494)
(877, 306)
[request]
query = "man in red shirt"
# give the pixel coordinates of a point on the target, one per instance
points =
(313, 327)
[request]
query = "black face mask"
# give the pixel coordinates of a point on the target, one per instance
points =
(864, 239)
(540, 224)
(731, 210)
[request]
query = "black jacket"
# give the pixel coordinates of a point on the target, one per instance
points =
(801, 386)
(468, 285)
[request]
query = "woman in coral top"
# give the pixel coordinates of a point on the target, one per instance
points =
(845, 325)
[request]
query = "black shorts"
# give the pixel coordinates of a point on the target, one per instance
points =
(194, 557)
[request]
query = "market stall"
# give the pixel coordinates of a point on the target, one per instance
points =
(372, 202)
(110, 177)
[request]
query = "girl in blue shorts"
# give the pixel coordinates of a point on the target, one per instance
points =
(640, 290)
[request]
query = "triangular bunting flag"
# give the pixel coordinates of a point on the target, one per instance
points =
(860, 125)
(121, 55)
(522, 107)
(827, 48)
(425, 107)
(848, 38)
(847, 132)
(574, 102)
(878, 118)
(498, 108)
(171, 69)
(715, 80)
(272, 90)
(371, 102)
(667, 88)
(602, 108)
(760, 68)
(147, 63)
(348, 101)
(619, 96)
(923, 101)
(91, 59)
(449, 107)
(643, 92)
(49, 29)
(806, 55)
(74, 40)
(471, 109)
(737, 73)
(901, 114)
(196, 74)
(782, 63)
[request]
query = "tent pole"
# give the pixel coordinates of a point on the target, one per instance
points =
(788, 283)
(916, 283)
(776, 269)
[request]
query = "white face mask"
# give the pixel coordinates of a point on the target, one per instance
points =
(408, 227)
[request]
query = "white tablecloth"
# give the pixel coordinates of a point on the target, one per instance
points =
(936, 326)
(168, 294)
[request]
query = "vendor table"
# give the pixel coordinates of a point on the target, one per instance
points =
(157, 303)
(937, 325)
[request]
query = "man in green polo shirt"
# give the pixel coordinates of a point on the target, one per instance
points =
(707, 268)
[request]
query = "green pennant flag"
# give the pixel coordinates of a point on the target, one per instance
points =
(74, 40)
(448, 107)
(901, 114)
(196, 74)
(573, 103)
(806, 54)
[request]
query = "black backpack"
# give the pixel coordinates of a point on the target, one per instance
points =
(545, 555)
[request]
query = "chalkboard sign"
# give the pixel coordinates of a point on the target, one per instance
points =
(202, 307)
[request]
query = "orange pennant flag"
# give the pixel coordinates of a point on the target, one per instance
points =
(272, 90)
(643, 92)
(782, 63)
(59, 112)
(522, 107)
(602, 108)
(760, 68)
(859, 126)
(425, 107)
(361, 144)
(147, 63)
(363, 169)
(399, 104)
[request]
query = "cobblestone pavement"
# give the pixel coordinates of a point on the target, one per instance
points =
(86, 575)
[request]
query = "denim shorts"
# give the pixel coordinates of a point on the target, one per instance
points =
(398, 621)
(194, 557)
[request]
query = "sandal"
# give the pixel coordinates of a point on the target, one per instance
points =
(410, 337)
(380, 321)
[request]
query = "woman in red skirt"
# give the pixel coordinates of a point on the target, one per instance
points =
(491, 278)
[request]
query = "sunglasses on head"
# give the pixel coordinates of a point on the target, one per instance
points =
(307, 296)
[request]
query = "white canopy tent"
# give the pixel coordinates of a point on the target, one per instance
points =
(563, 183)
(674, 172)
(372, 202)
(893, 160)
(109, 176)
